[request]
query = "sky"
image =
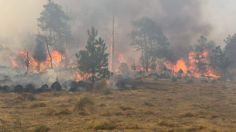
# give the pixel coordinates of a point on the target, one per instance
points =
(18, 17)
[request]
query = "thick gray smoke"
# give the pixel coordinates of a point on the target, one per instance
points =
(181, 20)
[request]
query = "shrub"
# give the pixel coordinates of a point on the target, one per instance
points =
(105, 126)
(103, 87)
(42, 128)
(83, 104)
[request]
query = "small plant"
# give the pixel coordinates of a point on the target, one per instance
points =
(42, 128)
(38, 105)
(83, 104)
(103, 88)
(125, 108)
(106, 126)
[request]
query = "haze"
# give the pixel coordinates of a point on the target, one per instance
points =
(20, 17)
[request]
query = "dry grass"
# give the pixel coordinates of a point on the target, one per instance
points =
(160, 106)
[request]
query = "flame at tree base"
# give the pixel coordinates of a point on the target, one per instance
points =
(24, 60)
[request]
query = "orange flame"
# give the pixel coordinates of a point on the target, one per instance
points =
(192, 68)
(79, 77)
(19, 61)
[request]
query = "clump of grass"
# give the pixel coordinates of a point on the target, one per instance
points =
(26, 97)
(103, 87)
(148, 104)
(63, 112)
(42, 128)
(105, 125)
(83, 104)
(167, 124)
(125, 108)
(188, 114)
(38, 105)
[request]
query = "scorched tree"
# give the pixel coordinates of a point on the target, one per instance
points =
(54, 26)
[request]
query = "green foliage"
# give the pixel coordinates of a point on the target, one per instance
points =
(220, 61)
(230, 48)
(94, 59)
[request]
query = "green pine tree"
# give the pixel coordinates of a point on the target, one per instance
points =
(94, 59)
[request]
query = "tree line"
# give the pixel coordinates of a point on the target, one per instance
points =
(147, 37)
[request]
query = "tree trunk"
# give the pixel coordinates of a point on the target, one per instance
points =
(27, 63)
(38, 67)
(146, 54)
(50, 56)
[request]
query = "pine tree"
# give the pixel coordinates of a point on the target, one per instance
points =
(220, 61)
(230, 48)
(149, 38)
(94, 59)
(54, 25)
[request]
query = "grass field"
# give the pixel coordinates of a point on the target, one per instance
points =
(159, 106)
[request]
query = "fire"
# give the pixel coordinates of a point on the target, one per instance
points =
(181, 65)
(79, 76)
(22, 58)
(191, 66)
(121, 58)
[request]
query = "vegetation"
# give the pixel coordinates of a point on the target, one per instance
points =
(83, 104)
(40, 53)
(149, 38)
(42, 128)
(54, 27)
(230, 48)
(94, 59)
(160, 104)
(220, 61)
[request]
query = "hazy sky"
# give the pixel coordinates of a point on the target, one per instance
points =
(19, 16)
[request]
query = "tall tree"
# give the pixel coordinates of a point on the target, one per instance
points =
(220, 62)
(230, 48)
(203, 50)
(94, 59)
(149, 38)
(54, 25)
(40, 52)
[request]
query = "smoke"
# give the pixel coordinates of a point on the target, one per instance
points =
(181, 20)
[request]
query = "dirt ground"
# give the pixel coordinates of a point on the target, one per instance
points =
(159, 106)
